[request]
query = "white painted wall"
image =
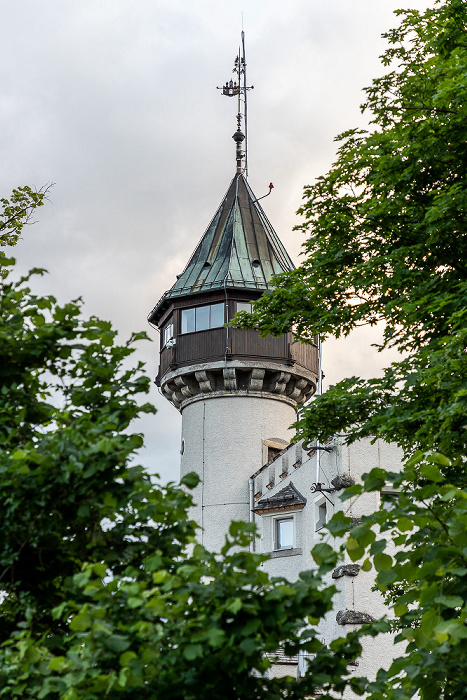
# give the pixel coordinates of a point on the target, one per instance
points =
(354, 593)
(222, 441)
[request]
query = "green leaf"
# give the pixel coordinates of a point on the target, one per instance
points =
(58, 663)
(404, 524)
(450, 601)
(193, 651)
(117, 643)
(127, 657)
(235, 606)
(190, 480)
(382, 561)
(431, 472)
(80, 622)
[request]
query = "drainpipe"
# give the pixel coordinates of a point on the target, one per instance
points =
(319, 391)
(251, 484)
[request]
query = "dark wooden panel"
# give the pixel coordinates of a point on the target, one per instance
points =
(200, 346)
(167, 358)
(305, 355)
(210, 345)
(250, 343)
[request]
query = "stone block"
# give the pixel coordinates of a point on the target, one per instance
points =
(346, 570)
(353, 617)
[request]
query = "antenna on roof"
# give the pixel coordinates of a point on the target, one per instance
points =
(239, 89)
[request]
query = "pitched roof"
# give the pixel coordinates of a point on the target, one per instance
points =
(239, 249)
(287, 498)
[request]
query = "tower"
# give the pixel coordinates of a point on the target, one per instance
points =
(237, 392)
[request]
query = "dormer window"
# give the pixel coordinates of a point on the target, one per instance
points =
(201, 318)
(284, 533)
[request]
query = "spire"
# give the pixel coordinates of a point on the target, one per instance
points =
(239, 250)
(239, 89)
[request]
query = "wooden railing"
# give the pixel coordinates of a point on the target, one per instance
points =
(212, 345)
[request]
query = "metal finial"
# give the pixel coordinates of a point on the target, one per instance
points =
(239, 90)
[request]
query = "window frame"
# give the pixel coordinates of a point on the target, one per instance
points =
(275, 531)
(243, 303)
(165, 332)
(194, 309)
(319, 504)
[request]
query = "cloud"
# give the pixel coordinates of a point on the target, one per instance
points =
(116, 103)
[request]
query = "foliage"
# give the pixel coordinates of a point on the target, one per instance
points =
(66, 402)
(104, 591)
(17, 211)
(200, 627)
(423, 577)
(387, 244)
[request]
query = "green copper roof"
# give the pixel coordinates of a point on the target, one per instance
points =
(239, 250)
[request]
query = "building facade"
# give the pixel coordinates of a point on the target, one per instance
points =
(238, 395)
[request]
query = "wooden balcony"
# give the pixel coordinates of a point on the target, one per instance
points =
(217, 344)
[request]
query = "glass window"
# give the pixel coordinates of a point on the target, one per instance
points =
(168, 332)
(188, 320)
(217, 315)
(321, 516)
(284, 533)
(202, 317)
(244, 306)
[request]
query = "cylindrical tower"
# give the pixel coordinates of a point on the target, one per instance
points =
(237, 392)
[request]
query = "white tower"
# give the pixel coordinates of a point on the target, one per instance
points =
(237, 392)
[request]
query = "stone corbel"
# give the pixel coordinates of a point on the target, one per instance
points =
(279, 382)
(297, 388)
(230, 379)
(353, 617)
(204, 381)
(256, 379)
(184, 387)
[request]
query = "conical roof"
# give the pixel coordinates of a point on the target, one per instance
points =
(239, 249)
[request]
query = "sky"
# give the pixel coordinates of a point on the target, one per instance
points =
(115, 102)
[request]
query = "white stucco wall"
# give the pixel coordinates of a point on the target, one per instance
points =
(354, 592)
(223, 442)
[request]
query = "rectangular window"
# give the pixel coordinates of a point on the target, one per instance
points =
(217, 315)
(284, 534)
(188, 320)
(201, 318)
(168, 332)
(321, 514)
(244, 306)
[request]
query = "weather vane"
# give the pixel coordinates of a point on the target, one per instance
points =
(238, 88)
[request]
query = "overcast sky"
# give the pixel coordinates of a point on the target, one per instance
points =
(115, 102)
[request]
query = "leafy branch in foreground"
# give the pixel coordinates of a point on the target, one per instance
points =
(417, 545)
(103, 587)
(387, 243)
(18, 211)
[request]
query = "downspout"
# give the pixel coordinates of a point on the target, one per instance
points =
(319, 391)
(251, 484)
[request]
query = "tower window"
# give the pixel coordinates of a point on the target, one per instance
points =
(201, 318)
(284, 533)
(244, 306)
(168, 332)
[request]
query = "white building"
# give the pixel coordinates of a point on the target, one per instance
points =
(238, 394)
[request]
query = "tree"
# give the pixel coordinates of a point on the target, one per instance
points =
(387, 243)
(18, 210)
(104, 591)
